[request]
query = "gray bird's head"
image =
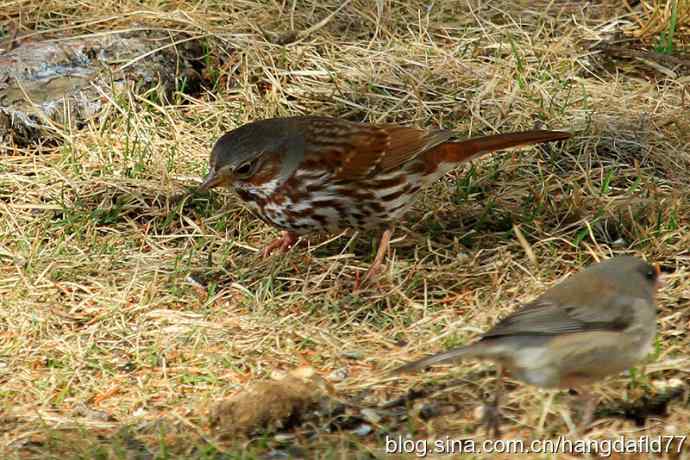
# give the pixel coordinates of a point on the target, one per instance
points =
(625, 275)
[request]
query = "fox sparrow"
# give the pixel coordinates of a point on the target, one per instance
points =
(308, 174)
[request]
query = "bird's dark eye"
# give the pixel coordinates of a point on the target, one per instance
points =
(244, 169)
(651, 272)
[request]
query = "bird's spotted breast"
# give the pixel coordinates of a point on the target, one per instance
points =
(311, 201)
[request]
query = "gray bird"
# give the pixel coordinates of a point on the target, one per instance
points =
(598, 322)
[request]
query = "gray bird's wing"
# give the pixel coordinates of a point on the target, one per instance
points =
(548, 317)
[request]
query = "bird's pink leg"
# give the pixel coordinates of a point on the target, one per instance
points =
(284, 243)
(384, 247)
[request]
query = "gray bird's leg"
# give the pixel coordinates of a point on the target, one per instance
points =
(492, 414)
(590, 404)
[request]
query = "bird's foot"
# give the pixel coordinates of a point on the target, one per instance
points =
(369, 276)
(374, 271)
(491, 419)
(372, 274)
(286, 240)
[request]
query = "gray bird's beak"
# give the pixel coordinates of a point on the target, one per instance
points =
(211, 181)
(659, 277)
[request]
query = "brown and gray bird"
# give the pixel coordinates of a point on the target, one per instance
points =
(598, 322)
(312, 174)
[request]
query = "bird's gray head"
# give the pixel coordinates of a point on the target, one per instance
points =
(630, 275)
(604, 282)
(250, 156)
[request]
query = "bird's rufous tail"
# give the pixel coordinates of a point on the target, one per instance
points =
(457, 152)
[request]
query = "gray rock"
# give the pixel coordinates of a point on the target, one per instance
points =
(41, 82)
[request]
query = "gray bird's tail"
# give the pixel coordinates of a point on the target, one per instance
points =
(470, 351)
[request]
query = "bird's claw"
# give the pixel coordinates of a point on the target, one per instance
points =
(283, 243)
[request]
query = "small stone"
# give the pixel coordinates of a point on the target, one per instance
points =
(277, 374)
(462, 256)
(370, 400)
(428, 411)
(303, 372)
(668, 385)
(363, 430)
(82, 410)
(337, 375)
(275, 454)
(370, 415)
(676, 383)
(619, 243)
(352, 354)
(284, 437)
(479, 412)
(289, 451)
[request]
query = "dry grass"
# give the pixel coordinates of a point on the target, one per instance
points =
(107, 351)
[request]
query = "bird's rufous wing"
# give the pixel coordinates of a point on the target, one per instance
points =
(357, 151)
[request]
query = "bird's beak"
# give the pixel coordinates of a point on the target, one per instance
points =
(211, 181)
(659, 283)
